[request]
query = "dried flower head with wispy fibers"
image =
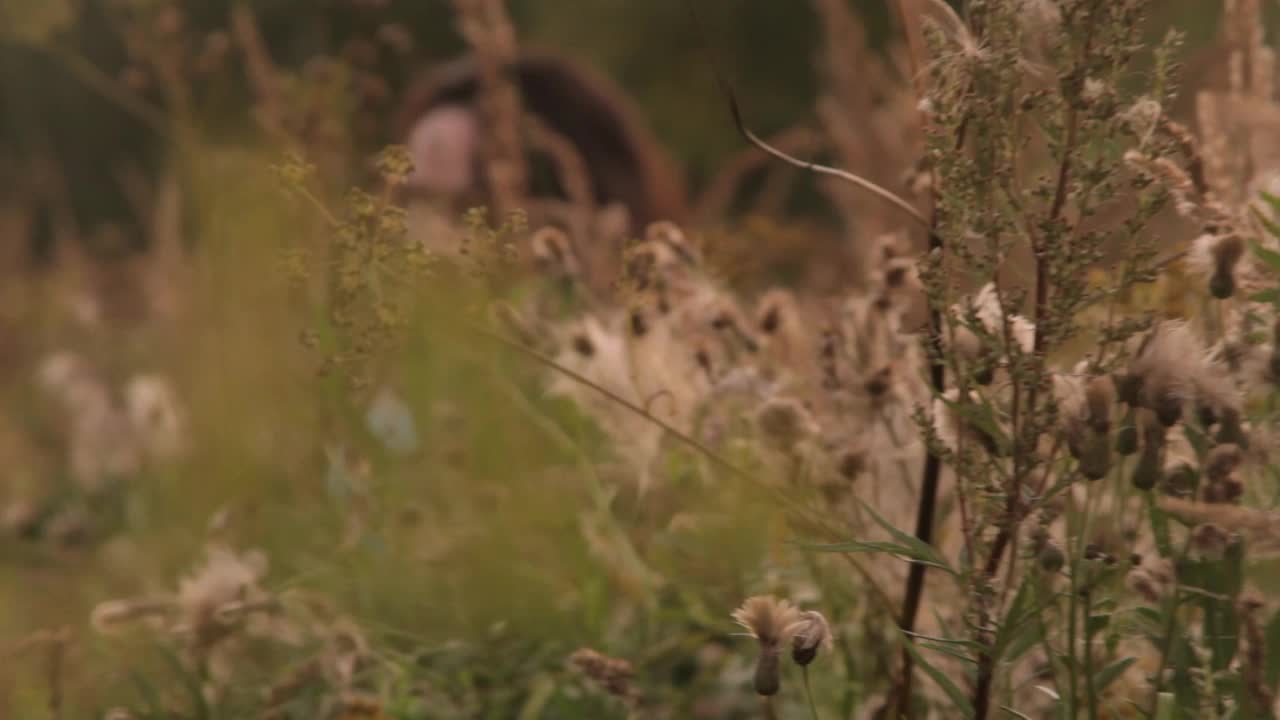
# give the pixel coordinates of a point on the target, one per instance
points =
(1216, 521)
(213, 599)
(1214, 257)
(611, 675)
(785, 422)
(811, 634)
(773, 623)
(110, 616)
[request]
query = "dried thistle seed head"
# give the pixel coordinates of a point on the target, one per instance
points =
(1095, 455)
(1147, 472)
(772, 622)
(1127, 436)
(1139, 581)
(1222, 285)
(1168, 407)
(1050, 557)
(1214, 255)
(852, 462)
(1179, 480)
(1152, 428)
(612, 675)
(1128, 388)
(1231, 428)
(775, 310)
(1100, 396)
(1153, 580)
(899, 275)
(785, 422)
(769, 320)
(1222, 461)
(769, 620)
(1210, 540)
(639, 326)
(879, 382)
(670, 235)
(1227, 251)
(553, 253)
(728, 321)
(810, 633)
(1229, 489)
(886, 247)
(583, 345)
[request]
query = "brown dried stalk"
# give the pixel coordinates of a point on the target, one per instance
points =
(260, 69)
(488, 29)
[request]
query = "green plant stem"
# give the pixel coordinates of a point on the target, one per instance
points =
(1090, 690)
(1072, 674)
(808, 692)
(766, 705)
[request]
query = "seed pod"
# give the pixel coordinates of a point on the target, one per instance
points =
(767, 681)
(1127, 436)
(1206, 415)
(1128, 388)
(811, 633)
(1179, 481)
(1226, 253)
(1222, 285)
(1147, 472)
(1095, 456)
(1100, 395)
(1231, 430)
(1231, 489)
(1168, 408)
(1051, 557)
(1222, 461)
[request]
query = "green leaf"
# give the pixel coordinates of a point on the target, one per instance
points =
(957, 697)
(1096, 623)
(881, 547)
(1266, 255)
(1271, 295)
(1271, 199)
(1159, 527)
(918, 546)
(1018, 632)
(1272, 635)
(1108, 674)
(947, 650)
(194, 683)
(906, 545)
(1024, 640)
(983, 418)
(1185, 687)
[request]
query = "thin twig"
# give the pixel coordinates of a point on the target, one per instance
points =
(741, 126)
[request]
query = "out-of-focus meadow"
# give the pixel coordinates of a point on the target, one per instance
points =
(290, 429)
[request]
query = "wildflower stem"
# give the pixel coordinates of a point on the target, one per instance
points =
(1091, 691)
(766, 704)
(808, 692)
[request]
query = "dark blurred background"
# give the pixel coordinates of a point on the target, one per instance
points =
(66, 141)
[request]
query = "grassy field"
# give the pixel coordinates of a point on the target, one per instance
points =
(299, 443)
